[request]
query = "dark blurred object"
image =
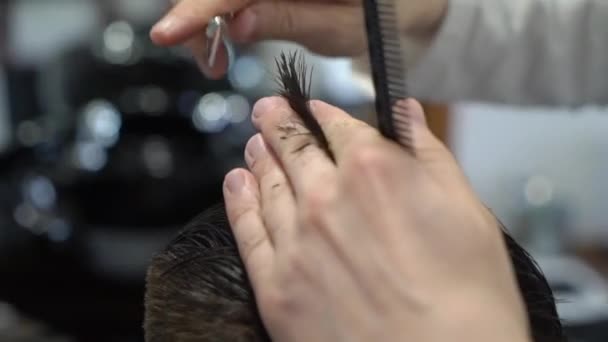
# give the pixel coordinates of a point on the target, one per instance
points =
(590, 332)
(128, 142)
(22, 84)
(16, 328)
(582, 297)
(3, 29)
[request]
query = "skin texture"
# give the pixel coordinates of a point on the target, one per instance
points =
(302, 222)
(301, 21)
(198, 290)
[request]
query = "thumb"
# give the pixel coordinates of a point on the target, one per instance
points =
(189, 18)
(429, 149)
(328, 29)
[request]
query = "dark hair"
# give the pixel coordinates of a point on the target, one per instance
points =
(198, 290)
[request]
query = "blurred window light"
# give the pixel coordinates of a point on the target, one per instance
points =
(340, 84)
(139, 12)
(89, 156)
(40, 192)
(211, 113)
(247, 73)
(538, 191)
(157, 157)
(39, 30)
(58, 230)
(8, 316)
(26, 216)
(238, 108)
(118, 42)
(102, 123)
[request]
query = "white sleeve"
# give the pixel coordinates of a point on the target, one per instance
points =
(518, 51)
(551, 52)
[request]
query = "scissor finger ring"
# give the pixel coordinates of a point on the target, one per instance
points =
(216, 34)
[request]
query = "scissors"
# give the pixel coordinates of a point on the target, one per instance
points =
(217, 34)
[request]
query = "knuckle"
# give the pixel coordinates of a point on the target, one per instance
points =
(297, 267)
(251, 244)
(317, 205)
(275, 303)
(295, 260)
(369, 159)
(319, 199)
(239, 213)
(292, 270)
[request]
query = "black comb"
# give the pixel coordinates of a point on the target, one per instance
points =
(388, 71)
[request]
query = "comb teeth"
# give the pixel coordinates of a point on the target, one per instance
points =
(402, 124)
(388, 71)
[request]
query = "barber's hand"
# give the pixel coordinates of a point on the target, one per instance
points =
(328, 27)
(380, 246)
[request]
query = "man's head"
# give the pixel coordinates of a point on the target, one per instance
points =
(198, 291)
(197, 288)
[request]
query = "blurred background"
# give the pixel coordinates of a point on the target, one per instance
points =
(109, 144)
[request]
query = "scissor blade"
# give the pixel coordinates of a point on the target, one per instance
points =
(217, 38)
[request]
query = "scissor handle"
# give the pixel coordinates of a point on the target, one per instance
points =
(216, 34)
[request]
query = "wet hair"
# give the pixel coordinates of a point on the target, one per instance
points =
(198, 290)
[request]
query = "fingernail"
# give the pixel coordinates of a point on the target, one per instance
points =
(412, 110)
(417, 112)
(266, 104)
(168, 25)
(235, 182)
(256, 148)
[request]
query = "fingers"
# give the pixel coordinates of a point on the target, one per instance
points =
(306, 165)
(304, 23)
(186, 23)
(301, 22)
(189, 18)
(278, 203)
(245, 215)
(341, 129)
